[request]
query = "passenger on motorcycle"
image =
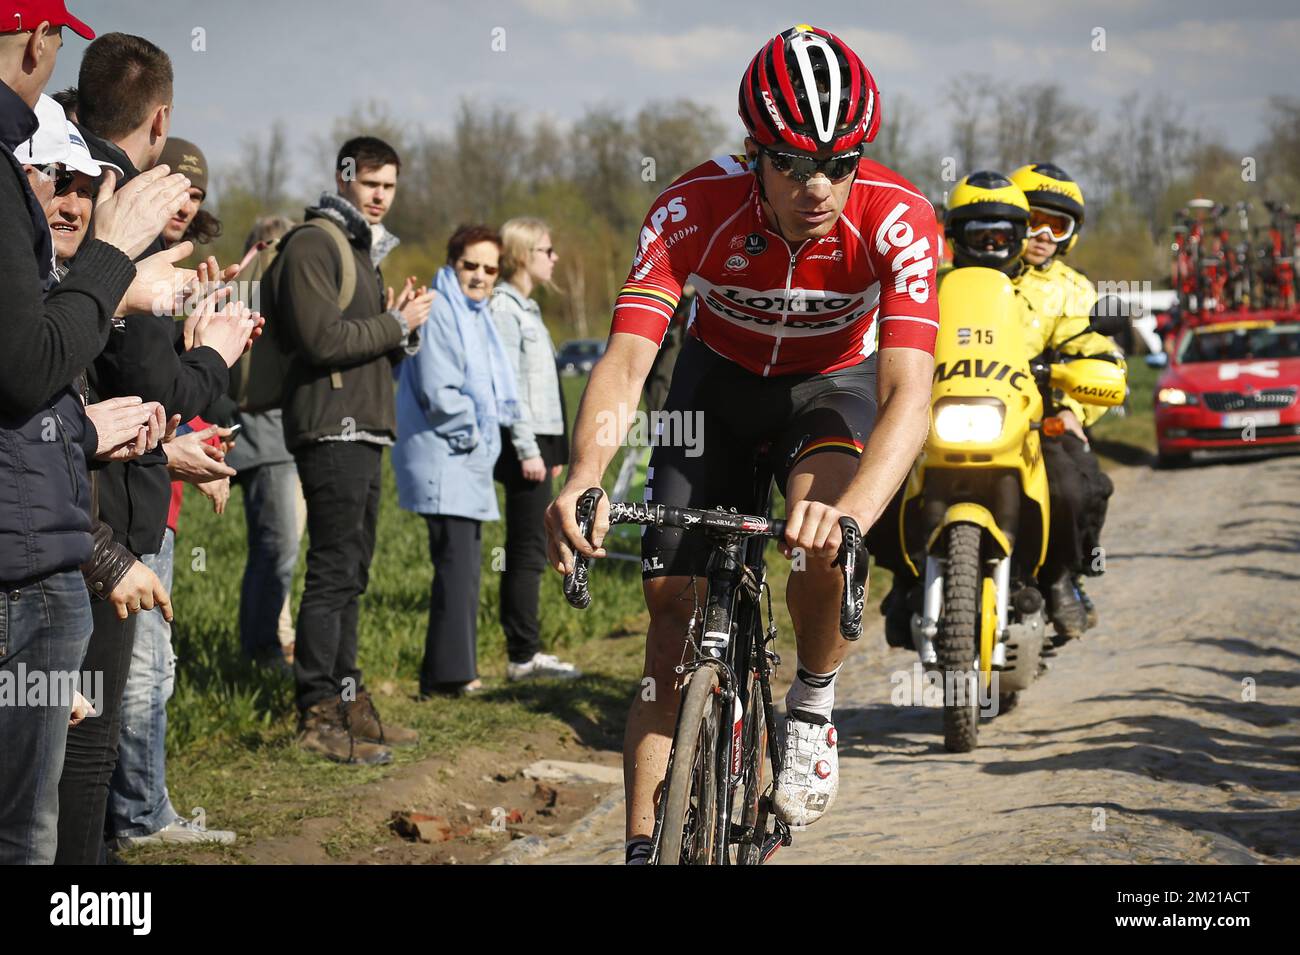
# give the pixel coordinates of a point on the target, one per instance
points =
(1064, 298)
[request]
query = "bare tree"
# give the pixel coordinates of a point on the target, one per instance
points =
(263, 174)
(489, 158)
(676, 136)
(893, 143)
(1036, 123)
(1279, 154)
(973, 97)
(607, 162)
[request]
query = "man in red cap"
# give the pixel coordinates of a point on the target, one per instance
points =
(50, 338)
(21, 16)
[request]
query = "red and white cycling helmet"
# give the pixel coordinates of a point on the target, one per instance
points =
(807, 90)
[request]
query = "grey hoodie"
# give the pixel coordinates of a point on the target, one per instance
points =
(528, 345)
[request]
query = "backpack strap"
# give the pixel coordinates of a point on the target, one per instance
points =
(348, 275)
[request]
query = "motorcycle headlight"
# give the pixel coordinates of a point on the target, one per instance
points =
(967, 421)
(1176, 396)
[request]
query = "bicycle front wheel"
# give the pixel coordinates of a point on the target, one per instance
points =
(690, 816)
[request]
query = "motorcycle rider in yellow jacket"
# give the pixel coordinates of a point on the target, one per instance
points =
(1061, 300)
(987, 221)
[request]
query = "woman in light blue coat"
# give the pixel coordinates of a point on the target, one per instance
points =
(453, 398)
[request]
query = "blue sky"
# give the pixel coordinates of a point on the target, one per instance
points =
(307, 62)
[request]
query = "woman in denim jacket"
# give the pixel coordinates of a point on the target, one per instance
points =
(453, 398)
(534, 448)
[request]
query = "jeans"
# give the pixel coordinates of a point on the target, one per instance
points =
(92, 744)
(341, 482)
(138, 804)
(44, 628)
(271, 511)
(451, 643)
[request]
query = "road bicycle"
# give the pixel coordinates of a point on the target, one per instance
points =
(716, 804)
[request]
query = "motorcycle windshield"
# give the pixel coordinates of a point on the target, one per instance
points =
(980, 351)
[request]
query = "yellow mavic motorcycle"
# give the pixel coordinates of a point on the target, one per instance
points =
(976, 504)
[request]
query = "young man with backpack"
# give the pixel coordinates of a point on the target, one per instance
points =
(329, 311)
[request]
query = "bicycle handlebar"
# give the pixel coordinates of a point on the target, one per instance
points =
(852, 548)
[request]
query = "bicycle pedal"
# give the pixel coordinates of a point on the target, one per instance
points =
(740, 833)
(783, 831)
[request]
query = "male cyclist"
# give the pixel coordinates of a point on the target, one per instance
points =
(813, 334)
(1064, 298)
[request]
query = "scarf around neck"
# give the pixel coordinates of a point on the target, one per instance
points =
(378, 239)
(489, 378)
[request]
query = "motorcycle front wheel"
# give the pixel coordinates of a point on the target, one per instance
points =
(956, 644)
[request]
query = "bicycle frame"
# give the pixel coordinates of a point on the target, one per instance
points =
(727, 638)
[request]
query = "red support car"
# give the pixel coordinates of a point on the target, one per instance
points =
(1230, 387)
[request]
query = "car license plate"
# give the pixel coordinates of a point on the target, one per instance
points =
(1259, 419)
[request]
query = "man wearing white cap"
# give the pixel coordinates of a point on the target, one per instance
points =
(69, 211)
(64, 176)
(48, 145)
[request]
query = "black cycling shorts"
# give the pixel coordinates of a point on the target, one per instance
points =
(719, 419)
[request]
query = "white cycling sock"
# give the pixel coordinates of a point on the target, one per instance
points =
(812, 692)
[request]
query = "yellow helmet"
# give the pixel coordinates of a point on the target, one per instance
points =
(986, 222)
(1048, 186)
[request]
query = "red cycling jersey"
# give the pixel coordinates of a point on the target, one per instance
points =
(775, 310)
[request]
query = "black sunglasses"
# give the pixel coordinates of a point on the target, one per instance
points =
(801, 167)
(63, 182)
(62, 177)
(469, 266)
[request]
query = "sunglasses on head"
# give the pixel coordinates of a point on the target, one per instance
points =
(801, 167)
(468, 266)
(1058, 225)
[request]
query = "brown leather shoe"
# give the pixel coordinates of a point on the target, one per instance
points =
(363, 721)
(321, 730)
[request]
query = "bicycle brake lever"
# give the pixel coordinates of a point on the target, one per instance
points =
(855, 591)
(575, 584)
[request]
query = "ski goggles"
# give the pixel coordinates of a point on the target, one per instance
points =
(801, 167)
(989, 235)
(1057, 225)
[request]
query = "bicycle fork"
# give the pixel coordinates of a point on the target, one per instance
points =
(781, 834)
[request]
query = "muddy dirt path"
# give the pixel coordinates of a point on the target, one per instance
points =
(1171, 733)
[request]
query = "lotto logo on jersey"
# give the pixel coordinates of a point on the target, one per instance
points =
(912, 266)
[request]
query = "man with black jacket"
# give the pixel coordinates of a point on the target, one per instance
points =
(124, 104)
(45, 436)
(339, 415)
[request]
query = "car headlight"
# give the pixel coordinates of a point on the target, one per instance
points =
(1176, 396)
(961, 421)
